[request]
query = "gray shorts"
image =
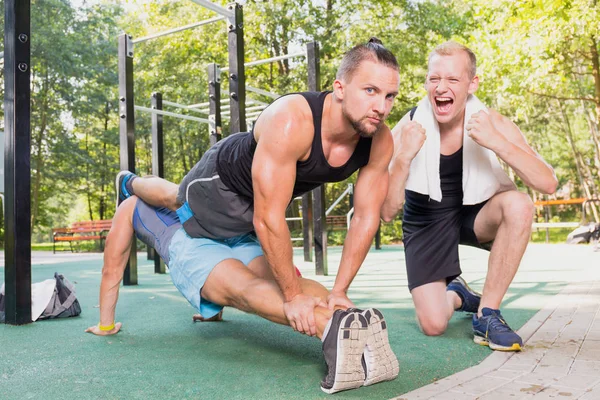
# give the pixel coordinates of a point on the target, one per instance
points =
(210, 209)
(155, 227)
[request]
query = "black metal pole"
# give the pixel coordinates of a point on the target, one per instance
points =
(319, 218)
(127, 134)
(17, 124)
(237, 79)
(158, 165)
(214, 100)
(307, 225)
(378, 238)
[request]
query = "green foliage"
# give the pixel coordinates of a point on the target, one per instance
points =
(535, 64)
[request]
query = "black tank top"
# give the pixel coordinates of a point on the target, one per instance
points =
(234, 159)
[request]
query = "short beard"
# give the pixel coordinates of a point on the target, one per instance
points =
(358, 125)
(362, 132)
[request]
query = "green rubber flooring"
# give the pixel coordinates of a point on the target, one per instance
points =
(161, 354)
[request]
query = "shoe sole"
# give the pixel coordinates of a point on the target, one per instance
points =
(484, 342)
(382, 364)
(118, 187)
(352, 339)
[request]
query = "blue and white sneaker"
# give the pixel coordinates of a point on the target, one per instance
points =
(121, 186)
(470, 298)
(344, 341)
(491, 330)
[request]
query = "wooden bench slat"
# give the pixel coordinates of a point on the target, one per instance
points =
(77, 231)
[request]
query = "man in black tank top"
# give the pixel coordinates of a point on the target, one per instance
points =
(432, 228)
(245, 182)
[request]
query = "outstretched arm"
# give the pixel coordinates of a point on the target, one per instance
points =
(370, 192)
(116, 254)
(282, 141)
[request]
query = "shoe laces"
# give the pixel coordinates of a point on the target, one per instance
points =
(496, 322)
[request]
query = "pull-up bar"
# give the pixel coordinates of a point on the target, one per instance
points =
(181, 28)
(183, 106)
(214, 7)
(263, 92)
(171, 114)
(270, 60)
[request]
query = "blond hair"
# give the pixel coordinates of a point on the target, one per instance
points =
(449, 48)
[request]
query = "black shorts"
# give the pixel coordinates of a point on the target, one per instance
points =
(432, 234)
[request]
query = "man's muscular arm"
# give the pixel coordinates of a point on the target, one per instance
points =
(283, 138)
(409, 137)
(369, 194)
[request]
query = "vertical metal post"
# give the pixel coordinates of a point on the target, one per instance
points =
(307, 225)
(237, 77)
(378, 238)
(17, 123)
(158, 165)
(320, 220)
(127, 134)
(214, 100)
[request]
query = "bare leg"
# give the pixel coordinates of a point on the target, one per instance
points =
(231, 283)
(157, 192)
(434, 306)
(506, 219)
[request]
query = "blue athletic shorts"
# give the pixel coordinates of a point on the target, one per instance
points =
(190, 260)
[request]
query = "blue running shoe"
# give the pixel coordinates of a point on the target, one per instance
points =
(470, 298)
(121, 186)
(491, 330)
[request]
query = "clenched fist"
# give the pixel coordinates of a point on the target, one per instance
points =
(412, 138)
(484, 132)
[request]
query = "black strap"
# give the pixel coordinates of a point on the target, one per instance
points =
(412, 112)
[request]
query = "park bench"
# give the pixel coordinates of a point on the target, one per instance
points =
(81, 231)
(336, 222)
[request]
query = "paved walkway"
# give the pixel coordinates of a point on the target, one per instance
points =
(561, 357)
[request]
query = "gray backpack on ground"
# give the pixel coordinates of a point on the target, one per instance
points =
(63, 302)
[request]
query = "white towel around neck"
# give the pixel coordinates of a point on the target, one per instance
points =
(482, 174)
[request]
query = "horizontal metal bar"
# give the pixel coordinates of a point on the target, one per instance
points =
(538, 225)
(269, 60)
(225, 108)
(172, 104)
(294, 219)
(171, 114)
(214, 7)
(263, 92)
(181, 28)
(206, 104)
(297, 239)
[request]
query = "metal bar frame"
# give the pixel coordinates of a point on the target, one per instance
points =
(179, 29)
(263, 92)
(214, 7)
(158, 164)
(127, 134)
(214, 107)
(17, 119)
(269, 60)
(319, 217)
(349, 189)
(237, 75)
(171, 114)
(184, 107)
